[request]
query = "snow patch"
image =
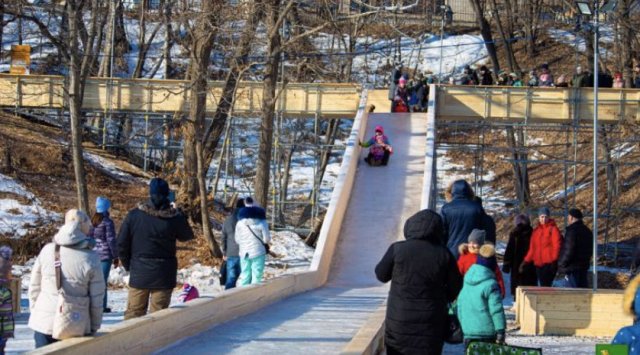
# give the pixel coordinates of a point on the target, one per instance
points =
(15, 217)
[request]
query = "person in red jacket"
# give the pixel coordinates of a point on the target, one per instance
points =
(544, 249)
(469, 255)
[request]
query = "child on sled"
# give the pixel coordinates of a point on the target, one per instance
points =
(379, 148)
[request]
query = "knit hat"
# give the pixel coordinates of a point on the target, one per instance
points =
(487, 256)
(575, 213)
(544, 211)
(102, 204)
(159, 192)
(379, 129)
(402, 80)
(522, 219)
(158, 186)
(477, 236)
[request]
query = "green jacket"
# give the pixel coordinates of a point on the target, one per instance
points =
(479, 304)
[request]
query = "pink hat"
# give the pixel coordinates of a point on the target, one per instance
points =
(402, 80)
(379, 129)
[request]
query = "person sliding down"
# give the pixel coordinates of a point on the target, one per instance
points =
(379, 148)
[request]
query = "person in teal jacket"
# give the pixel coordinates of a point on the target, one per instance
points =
(479, 304)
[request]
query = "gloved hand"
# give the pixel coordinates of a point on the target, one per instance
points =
(522, 267)
(500, 337)
(506, 269)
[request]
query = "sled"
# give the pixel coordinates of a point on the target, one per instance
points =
(483, 348)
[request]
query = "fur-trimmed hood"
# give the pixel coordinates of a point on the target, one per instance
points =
(463, 248)
(487, 250)
(631, 300)
(149, 208)
(459, 189)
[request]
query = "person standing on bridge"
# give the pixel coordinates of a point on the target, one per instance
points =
(424, 278)
(461, 215)
(253, 237)
(147, 249)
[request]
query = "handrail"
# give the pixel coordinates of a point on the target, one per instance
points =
(170, 96)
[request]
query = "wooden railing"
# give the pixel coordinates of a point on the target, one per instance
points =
(146, 95)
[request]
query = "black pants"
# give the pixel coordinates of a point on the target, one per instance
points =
(385, 158)
(546, 273)
(578, 278)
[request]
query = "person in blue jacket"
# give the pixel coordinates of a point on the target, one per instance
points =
(630, 335)
(461, 215)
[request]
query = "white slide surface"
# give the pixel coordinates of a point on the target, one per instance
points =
(324, 320)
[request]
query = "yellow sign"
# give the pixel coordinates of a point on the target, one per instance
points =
(20, 59)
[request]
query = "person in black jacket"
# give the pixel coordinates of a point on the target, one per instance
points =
(460, 215)
(147, 249)
(575, 255)
(517, 248)
(424, 278)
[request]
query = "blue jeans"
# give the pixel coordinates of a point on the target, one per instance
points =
(578, 279)
(43, 339)
(106, 268)
(233, 271)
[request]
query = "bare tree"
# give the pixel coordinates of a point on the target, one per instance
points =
(485, 32)
(144, 40)
(79, 47)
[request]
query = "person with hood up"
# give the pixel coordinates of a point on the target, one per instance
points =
(630, 335)
(485, 76)
(81, 277)
(230, 249)
(104, 232)
(517, 248)
(424, 278)
(147, 249)
(253, 237)
(480, 308)
(379, 148)
(544, 248)
(581, 79)
(469, 256)
(460, 215)
(576, 251)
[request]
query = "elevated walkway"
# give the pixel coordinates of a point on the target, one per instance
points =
(323, 321)
(328, 100)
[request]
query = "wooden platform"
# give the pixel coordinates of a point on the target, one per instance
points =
(146, 95)
(566, 311)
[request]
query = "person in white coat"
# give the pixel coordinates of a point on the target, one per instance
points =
(81, 277)
(252, 236)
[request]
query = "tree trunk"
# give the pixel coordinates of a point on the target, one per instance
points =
(214, 131)
(485, 31)
(626, 39)
(204, 208)
(74, 99)
(511, 59)
(520, 173)
(203, 39)
(261, 182)
(168, 39)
